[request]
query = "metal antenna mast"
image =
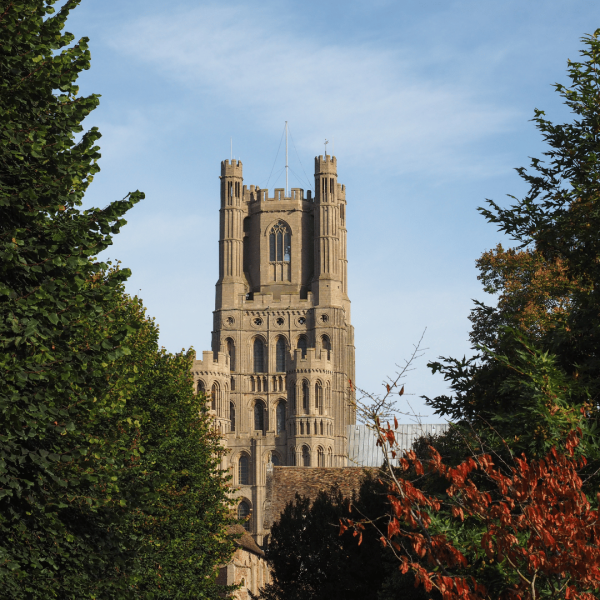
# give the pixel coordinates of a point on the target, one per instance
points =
(286, 160)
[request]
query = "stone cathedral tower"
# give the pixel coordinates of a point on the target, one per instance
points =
(277, 377)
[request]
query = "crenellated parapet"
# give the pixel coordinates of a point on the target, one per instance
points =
(326, 165)
(212, 377)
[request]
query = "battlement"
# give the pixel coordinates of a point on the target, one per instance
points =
(326, 164)
(261, 195)
(208, 364)
(341, 191)
(231, 168)
(311, 361)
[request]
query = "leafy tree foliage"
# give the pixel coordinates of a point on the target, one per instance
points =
(310, 560)
(539, 347)
(108, 488)
(529, 533)
(181, 528)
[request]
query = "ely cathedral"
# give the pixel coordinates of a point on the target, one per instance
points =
(278, 375)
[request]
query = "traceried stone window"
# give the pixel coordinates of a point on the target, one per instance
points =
(280, 355)
(280, 251)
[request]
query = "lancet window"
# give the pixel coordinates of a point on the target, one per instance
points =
(280, 355)
(232, 415)
(259, 356)
(280, 418)
(244, 470)
(243, 513)
(259, 416)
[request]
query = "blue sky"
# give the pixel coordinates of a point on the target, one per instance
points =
(429, 105)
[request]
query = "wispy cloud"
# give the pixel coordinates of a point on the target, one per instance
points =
(375, 101)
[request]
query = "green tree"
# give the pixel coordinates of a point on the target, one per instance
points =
(59, 492)
(539, 348)
(180, 530)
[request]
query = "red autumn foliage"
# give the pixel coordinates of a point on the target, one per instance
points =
(535, 521)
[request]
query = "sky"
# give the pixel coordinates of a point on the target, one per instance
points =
(427, 106)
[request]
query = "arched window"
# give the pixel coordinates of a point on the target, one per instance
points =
(280, 417)
(319, 398)
(201, 386)
(275, 459)
(305, 395)
(326, 345)
(243, 514)
(213, 396)
(244, 470)
(280, 355)
(280, 243)
(303, 345)
(259, 416)
(321, 457)
(231, 353)
(305, 456)
(259, 356)
(232, 415)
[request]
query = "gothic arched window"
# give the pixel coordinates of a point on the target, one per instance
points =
(319, 398)
(213, 396)
(201, 386)
(303, 345)
(244, 470)
(326, 345)
(259, 416)
(243, 513)
(232, 415)
(259, 356)
(305, 456)
(280, 355)
(305, 395)
(321, 457)
(275, 459)
(280, 418)
(231, 353)
(280, 243)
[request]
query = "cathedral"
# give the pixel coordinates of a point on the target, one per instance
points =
(278, 375)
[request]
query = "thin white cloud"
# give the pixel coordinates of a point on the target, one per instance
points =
(373, 100)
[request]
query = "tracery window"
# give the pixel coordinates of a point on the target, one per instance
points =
(280, 355)
(280, 251)
(243, 513)
(259, 356)
(280, 243)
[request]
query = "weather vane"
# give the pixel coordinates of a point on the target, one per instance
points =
(326, 142)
